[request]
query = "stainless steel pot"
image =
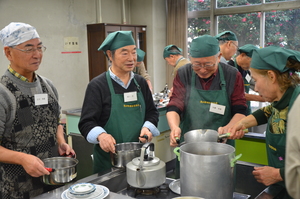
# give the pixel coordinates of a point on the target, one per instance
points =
(206, 170)
(125, 152)
(203, 135)
(146, 171)
(64, 170)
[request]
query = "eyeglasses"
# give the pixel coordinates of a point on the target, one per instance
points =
(28, 50)
(235, 45)
(205, 66)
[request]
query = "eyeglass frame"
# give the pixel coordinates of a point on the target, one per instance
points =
(40, 49)
(205, 66)
(237, 47)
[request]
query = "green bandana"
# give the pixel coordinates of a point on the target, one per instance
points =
(116, 40)
(204, 46)
(229, 36)
(247, 49)
(168, 51)
(273, 58)
(140, 55)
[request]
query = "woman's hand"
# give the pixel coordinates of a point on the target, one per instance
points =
(237, 131)
(267, 175)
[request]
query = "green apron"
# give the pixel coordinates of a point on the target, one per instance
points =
(276, 145)
(124, 124)
(197, 114)
(247, 89)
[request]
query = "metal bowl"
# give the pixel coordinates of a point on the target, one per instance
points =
(64, 170)
(125, 152)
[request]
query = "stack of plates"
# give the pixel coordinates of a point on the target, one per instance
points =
(85, 190)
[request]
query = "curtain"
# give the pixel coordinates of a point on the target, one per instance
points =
(176, 30)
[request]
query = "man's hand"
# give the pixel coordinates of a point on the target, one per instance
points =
(34, 166)
(174, 136)
(145, 133)
(65, 150)
(107, 142)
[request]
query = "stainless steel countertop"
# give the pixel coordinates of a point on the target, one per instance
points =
(116, 189)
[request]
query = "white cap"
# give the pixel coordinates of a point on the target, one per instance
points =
(16, 33)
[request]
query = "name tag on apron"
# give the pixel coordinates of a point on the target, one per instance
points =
(130, 96)
(216, 108)
(248, 78)
(40, 99)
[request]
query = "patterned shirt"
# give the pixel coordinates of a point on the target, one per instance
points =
(278, 111)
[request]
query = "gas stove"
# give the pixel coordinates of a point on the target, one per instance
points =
(162, 191)
(116, 182)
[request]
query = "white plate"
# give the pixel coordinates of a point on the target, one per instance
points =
(95, 195)
(82, 188)
(175, 186)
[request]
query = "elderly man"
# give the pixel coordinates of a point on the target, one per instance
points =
(207, 94)
(228, 45)
(173, 55)
(118, 105)
(29, 115)
(242, 63)
(140, 67)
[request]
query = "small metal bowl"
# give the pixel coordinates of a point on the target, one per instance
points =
(64, 170)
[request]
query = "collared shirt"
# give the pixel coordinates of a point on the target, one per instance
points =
(18, 75)
(118, 80)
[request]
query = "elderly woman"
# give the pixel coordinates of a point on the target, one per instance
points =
(273, 69)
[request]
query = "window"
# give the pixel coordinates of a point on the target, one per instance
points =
(226, 3)
(253, 23)
(245, 26)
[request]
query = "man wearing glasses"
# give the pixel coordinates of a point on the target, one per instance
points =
(29, 115)
(228, 45)
(207, 94)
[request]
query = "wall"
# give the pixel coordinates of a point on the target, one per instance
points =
(57, 19)
(156, 36)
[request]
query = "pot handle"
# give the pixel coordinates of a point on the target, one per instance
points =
(235, 159)
(177, 152)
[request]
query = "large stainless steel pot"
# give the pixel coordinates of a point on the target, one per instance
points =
(64, 170)
(206, 170)
(125, 152)
(146, 171)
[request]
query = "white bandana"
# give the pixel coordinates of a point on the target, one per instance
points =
(16, 33)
